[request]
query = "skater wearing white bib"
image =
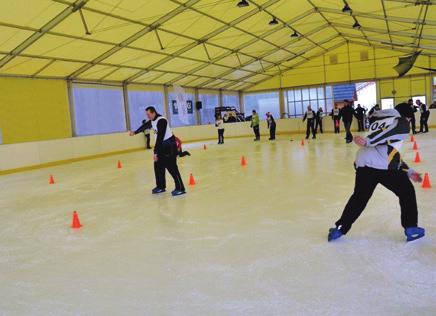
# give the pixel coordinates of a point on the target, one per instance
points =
(165, 152)
(378, 161)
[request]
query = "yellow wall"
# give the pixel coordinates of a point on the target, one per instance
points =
(33, 109)
(349, 67)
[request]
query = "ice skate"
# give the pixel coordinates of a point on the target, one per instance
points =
(334, 233)
(413, 233)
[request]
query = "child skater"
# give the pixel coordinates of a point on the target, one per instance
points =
(271, 125)
(311, 116)
(378, 161)
(180, 151)
(336, 119)
(219, 124)
(147, 134)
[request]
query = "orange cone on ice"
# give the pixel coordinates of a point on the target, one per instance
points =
(51, 180)
(119, 165)
(76, 221)
(191, 180)
(417, 158)
(415, 146)
(302, 142)
(412, 139)
(426, 183)
(243, 162)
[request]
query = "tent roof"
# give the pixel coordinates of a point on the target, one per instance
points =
(198, 43)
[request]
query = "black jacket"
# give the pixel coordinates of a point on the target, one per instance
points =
(347, 113)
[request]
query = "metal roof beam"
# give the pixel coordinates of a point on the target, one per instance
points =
(204, 39)
(254, 40)
(376, 16)
(73, 7)
(134, 37)
(288, 59)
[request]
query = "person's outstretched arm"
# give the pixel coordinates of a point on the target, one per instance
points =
(143, 127)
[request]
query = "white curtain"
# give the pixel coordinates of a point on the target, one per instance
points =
(98, 110)
(139, 101)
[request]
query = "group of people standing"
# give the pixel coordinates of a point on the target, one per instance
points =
(423, 121)
(255, 125)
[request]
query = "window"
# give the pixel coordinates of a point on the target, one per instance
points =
(420, 98)
(366, 93)
(434, 89)
(262, 103)
(231, 100)
(387, 103)
(298, 100)
(175, 119)
(98, 109)
(139, 101)
(209, 103)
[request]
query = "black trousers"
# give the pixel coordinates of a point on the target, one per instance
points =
(413, 124)
(147, 141)
(337, 123)
(167, 160)
(318, 124)
(367, 179)
(221, 136)
(423, 122)
(310, 126)
(256, 131)
(272, 132)
(361, 125)
(347, 126)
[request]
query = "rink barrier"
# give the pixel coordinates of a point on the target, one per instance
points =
(30, 156)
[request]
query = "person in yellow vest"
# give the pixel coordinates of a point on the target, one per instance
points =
(255, 125)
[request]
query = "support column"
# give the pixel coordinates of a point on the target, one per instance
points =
(282, 102)
(194, 105)
(167, 109)
(126, 106)
(220, 99)
(241, 102)
(71, 106)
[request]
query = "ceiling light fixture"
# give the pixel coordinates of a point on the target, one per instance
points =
(295, 34)
(242, 4)
(346, 8)
(356, 25)
(273, 21)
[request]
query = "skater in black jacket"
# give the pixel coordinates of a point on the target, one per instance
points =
(310, 115)
(271, 125)
(319, 114)
(425, 113)
(378, 161)
(347, 113)
(360, 116)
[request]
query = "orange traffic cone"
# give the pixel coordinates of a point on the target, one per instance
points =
(204, 147)
(415, 146)
(243, 162)
(417, 158)
(191, 180)
(119, 165)
(412, 139)
(76, 221)
(302, 142)
(51, 180)
(426, 183)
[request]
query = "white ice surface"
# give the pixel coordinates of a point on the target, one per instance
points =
(243, 241)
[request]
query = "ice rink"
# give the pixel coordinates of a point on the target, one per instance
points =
(243, 241)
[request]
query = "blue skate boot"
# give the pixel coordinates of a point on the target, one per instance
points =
(334, 233)
(414, 233)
